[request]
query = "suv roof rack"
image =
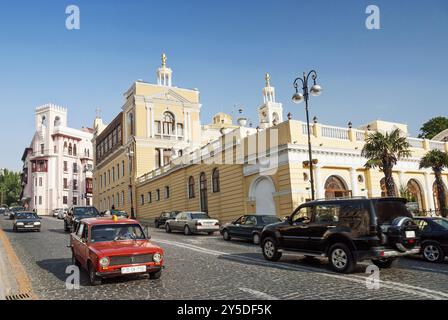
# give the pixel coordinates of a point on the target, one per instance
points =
(341, 198)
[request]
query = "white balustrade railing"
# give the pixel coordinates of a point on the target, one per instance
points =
(360, 135)
(416, 143)
(437, 145)
(335, 132)
(305, 128)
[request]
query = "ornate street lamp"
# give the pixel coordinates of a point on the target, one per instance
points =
(298, 97)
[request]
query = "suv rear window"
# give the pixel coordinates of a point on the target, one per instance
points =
(388, 210)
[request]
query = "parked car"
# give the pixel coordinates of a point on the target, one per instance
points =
(434, 238)
(76, 214)
(118, 213)
(55, 212)
(247, 227)
(164, 216)
(113, 247)
(26, 221)
(62, 213)
(346, 231)
(3, 211)
(14, 210)
(192, 222)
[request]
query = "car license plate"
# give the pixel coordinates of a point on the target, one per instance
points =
(136, 269)
(410, 234)
(29, 226)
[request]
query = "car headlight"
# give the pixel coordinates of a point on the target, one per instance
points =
(19, 223)
(104, 262)
(37, 223)
(157, 258)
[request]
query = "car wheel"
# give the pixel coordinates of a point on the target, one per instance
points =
(384, 263)
(155, 275)
(256, 238)
(432, 252)
(270, 250)
(94, 279)
(167, 228)
(156, 225)
(341, 258)
(226, 236)
(187, 230)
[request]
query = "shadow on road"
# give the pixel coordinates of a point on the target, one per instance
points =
(58, 268)
(60, 231)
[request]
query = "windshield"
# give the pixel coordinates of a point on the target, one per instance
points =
(118, 213)
(270, 219)
(15, 209)
(199, 216)
(442, 222)
(85, 211)
(117, 232)
(388, 210)
(26, 215)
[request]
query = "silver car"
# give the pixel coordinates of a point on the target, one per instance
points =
(62, 213)
(192, 222)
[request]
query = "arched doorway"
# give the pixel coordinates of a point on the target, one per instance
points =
(335, 187)
(435, 194)
(415, 195)
(384, 189)
(262, 191)
(203, 192)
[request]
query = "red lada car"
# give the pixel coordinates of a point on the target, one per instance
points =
(112, 247)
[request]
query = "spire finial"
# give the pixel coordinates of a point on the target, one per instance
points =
(98, 113)
(164, 60)
(268, 80)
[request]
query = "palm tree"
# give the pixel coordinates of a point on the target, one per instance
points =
(384, 151)
(437, 160)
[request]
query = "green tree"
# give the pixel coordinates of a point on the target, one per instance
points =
(384, 151)
(432, 127)
(10, 187)
(437, 160)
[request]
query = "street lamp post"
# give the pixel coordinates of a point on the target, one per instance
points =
(298, 97)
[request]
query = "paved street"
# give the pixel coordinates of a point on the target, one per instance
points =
(204, 267)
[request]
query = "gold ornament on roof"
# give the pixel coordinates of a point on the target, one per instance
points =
(268, 80)
(164, 60)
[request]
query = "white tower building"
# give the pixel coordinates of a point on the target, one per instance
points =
(270, 113)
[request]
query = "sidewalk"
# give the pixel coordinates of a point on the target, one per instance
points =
(14, 281)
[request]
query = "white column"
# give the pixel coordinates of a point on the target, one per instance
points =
(148, 121)
(318, 183)
(153, 129)
(161, 157)
(428, 192)
(354, 182)
(401, 179)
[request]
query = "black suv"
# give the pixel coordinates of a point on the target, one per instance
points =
(164, 216)
(346, 231)
(76, 214)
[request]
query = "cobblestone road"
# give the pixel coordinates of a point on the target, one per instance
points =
(207, 267)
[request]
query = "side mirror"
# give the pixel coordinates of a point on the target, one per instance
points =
(146, 231)
(288, 219)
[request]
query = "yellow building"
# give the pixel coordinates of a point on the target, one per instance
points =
(171, 162)
(157, 123)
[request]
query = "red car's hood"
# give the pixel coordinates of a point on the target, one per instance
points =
(116, 248)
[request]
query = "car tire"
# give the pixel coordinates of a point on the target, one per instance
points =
(432, 252)
(93, 278)
(226, 236)
(341, 258)
(256, 238)
(270, 249)
(156, 225)
(167, 228)
(155, 275)
(385, 263)
(187, 230)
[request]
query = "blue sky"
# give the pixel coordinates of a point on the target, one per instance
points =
(223, 48)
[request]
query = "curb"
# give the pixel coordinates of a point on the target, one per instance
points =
(12, 268)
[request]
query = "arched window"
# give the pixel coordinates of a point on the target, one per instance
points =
(215, 180)
(57, 121)
(70, 149)
(131, 130)
(43, 121)
(191, 188)
(65, 147)
(203, 192)
(168, 123)
(414, 195)
(335, 187)
(75, 151)
(384, 189)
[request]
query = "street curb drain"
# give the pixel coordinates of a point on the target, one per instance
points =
(21, 296)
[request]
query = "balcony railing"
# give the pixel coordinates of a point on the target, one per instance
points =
(416, 143)
(437, 145)
(335, 132)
